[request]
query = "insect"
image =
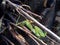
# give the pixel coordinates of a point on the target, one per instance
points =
(35, 29)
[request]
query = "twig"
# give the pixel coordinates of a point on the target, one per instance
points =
(17, 19)
(23, 5)
(7, 40)
(31, 13)
(34, 40)
(21, 14)
(39, 40)
(3, 30)
(51, 39)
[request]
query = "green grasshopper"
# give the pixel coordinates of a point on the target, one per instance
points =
(35, 29)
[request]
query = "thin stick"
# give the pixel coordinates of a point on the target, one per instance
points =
(34, 40)
(7, 40)
(3, 30)
(21, 14)
(31, 13)
(51, 39)
(23, 5)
